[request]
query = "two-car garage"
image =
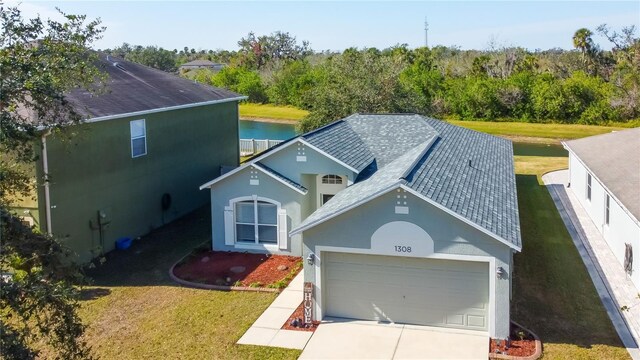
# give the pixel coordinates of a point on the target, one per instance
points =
(422, 291)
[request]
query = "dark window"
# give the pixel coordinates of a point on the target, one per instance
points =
(326, 197)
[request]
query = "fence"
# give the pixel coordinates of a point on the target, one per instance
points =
(253, 146)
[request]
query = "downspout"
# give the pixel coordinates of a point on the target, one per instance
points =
(47, 196)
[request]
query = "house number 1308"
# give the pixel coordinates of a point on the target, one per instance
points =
(403, 249)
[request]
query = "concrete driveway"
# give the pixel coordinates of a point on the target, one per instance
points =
(355, 339)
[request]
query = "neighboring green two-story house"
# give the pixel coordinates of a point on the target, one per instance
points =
(136, 163)
(398, 218)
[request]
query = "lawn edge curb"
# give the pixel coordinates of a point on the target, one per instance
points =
(215, 287)
(536, 355)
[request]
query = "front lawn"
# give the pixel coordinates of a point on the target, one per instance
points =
(553, 293)
(134, 310)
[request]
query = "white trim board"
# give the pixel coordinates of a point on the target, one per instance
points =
(168, 108)
(400, 185)
(152, 111)
(265, 171)
(440, 256)
(298, 140)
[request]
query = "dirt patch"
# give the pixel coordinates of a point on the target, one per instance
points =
(295, 321)
(521, 348)
(238, 269)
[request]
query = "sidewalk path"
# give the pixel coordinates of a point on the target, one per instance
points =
(266, 331)
(613, 285)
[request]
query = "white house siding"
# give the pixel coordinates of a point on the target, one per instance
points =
(622, 228)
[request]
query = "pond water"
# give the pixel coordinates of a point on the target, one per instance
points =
(263, 130)
(535, 149)
(274, 131)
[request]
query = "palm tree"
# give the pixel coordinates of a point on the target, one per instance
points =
(582, 40)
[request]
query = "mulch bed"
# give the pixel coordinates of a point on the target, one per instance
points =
(238, 269)
(297, 316)
(525, 347)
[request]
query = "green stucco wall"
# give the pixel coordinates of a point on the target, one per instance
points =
(94, 171)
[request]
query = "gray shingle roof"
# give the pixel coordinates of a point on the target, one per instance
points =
(339, 140)
(467, 172)
(390, 136)
(614, 159)
(472, 174)
(133, 87)
(381, 180)
(280, 176)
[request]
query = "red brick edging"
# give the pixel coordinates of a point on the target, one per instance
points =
(536, 355)
(215, 287)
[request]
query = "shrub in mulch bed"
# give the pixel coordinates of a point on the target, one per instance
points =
(224, 268)
(296, 319)
(521, 345)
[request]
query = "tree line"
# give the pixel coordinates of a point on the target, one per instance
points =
(585, 85)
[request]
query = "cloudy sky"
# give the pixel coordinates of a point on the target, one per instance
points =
(338, 25)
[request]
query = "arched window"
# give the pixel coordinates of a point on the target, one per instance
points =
(256, 222)
(332, 179)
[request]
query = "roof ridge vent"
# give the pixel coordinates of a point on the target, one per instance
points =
(117, 64)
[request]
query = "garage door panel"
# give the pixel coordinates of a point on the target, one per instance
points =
(408, 290)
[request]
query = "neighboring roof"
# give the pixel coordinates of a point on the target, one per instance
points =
(340, 141)
(614, 159)
(467, 172)
(301, 189)
(132, 88)
(200, 63)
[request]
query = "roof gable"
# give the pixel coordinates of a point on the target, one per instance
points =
(468, 173)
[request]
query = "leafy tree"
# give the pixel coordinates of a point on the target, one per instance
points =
(291, 83)
(626, 71)
(257, 52)
(40, 61)
(356, 81)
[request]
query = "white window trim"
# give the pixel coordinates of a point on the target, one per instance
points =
(131, 138)
(589, 187)
(331, 179)
(257, 246)
(607, 209)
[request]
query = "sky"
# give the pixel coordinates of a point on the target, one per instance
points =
(338, 25)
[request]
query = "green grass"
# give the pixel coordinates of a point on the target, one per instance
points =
(134, 311)
(268, 111)
(534, 130)
(553, 293)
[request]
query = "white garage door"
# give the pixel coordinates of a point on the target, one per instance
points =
(407, 290)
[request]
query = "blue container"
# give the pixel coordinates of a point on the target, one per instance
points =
(123, 243)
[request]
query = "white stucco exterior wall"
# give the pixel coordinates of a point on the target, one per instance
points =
(622, 228)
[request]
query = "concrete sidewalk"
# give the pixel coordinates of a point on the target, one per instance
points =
(266, 330)
(613, 285)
